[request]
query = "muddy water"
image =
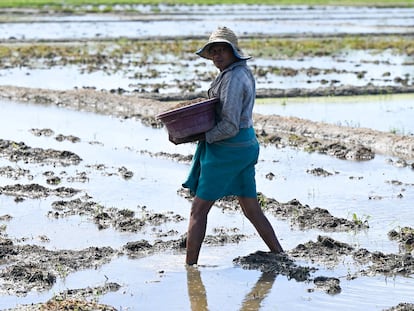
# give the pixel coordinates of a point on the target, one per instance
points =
(105, 144)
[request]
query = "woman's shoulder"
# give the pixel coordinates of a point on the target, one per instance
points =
(236, 68)
(238, 73)
(241, 69)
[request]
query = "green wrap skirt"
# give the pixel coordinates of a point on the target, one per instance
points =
(225, 167)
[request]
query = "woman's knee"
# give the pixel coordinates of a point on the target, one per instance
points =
(200, 208)
(251, 208)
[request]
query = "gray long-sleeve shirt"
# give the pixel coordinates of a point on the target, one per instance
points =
(236, 88)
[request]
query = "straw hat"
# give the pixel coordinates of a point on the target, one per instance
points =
(222, 35)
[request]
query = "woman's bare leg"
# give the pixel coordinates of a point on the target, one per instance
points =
(197, 228)
(254, 213)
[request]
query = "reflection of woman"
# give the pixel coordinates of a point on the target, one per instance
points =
(224, 162)
(196, 290)
(252, 301)
(262, 288)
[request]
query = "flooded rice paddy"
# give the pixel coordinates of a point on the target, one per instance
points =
(281, 67)
(173, 21)
(92, 213)
(163, 75)
(375, 191)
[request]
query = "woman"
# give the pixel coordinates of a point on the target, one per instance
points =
(224, 161)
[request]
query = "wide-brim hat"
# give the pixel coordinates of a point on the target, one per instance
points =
(223, 35)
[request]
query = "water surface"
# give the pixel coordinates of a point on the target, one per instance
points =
(173, 21)
(154, 185)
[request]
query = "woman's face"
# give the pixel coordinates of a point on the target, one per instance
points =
(222, 55)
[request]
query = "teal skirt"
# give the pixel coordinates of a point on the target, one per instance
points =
(225, 168)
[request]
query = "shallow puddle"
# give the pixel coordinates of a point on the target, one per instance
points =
(355, 189)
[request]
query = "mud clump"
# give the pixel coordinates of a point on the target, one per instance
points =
(143, 247)
(281, 264)
(14, 173)
(36, 191)
(73, 304)
(329, 285)
(319, 172)
(330, 252)
(402, 307)
(31, 267)
(388, 264)
(120, 219)
(305, 141)
(19, 151)
(224, 238)
(274, 263)
(74, 299)
(29, 274)
(59, 137)
(325, 250)
(306, 217)
(405, 237)
(6, 248)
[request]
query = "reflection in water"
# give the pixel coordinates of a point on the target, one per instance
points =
(252, 301)
(259, 292)
(196, 290)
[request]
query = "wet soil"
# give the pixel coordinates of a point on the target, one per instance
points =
(75, 299)
(329, 252)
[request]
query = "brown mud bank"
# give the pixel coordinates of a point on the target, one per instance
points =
(340, 141)
(344, 90)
